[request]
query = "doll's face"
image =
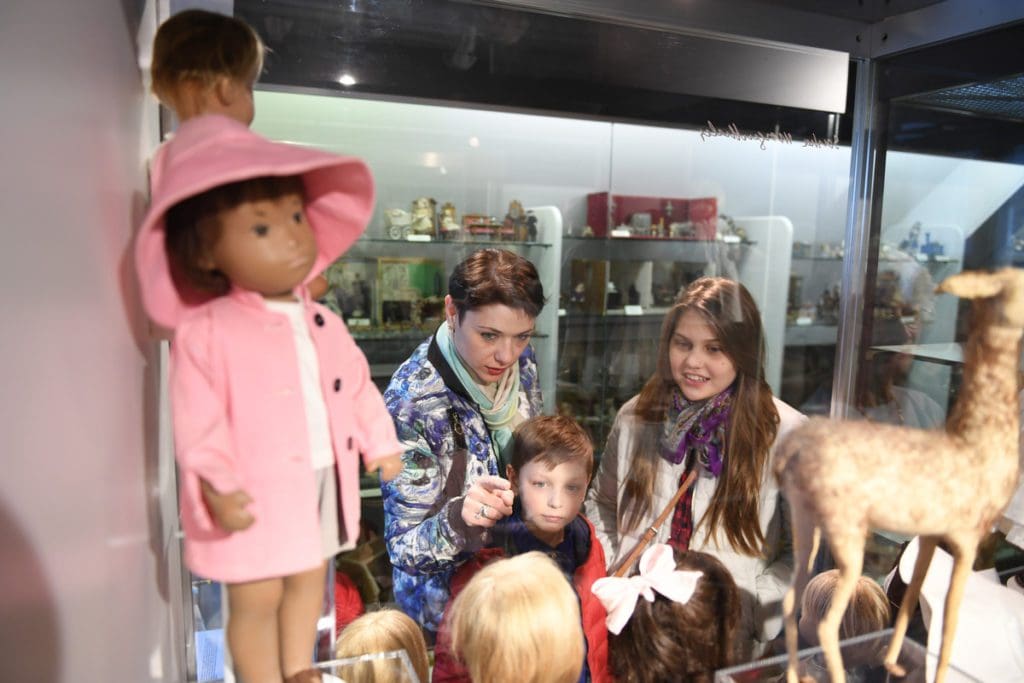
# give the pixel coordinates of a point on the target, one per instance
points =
(490, 338)
(700, 366)
(265, 246)
(550, 496)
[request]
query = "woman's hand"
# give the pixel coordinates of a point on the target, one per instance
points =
(487, 500)
(228, 509)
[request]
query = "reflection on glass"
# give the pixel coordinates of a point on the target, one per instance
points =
(381, 667)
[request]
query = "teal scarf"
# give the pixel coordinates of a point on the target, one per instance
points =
(499, 413)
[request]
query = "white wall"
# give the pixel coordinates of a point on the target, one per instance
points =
(82, 590)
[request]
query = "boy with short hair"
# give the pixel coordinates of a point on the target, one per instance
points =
(551, 465)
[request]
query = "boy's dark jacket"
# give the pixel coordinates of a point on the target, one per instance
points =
(590, 567)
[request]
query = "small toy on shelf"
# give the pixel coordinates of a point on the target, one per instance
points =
(932, 250)
(423, 212)
(450, 227)
(531, 226)
(910, 244)
(514, 226)
(397, 223)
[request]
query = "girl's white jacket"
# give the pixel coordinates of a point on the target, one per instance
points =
(762, 581)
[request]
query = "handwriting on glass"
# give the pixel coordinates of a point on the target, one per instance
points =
(764, 137)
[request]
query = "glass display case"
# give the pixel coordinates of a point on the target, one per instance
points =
(917, 662)
(948, 196)
(488, 126)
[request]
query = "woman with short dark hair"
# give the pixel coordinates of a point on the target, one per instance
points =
(455, 402)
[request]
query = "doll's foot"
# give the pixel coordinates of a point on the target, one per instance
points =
(305, 676)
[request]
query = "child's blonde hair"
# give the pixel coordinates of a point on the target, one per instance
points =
(385, 630)
(868, 611)
(518, 619)
(201, 47)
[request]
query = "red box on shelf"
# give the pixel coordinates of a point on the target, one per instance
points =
(703, 213)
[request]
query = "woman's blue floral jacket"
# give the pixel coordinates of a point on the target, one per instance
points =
(447, 447)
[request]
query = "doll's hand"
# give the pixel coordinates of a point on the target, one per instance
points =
(228, 509)
(389, 466)
(487, 500)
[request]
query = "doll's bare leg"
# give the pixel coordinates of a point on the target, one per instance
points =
(300, 609)
(253, 629)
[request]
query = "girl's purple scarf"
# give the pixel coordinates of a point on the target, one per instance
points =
(697, 427)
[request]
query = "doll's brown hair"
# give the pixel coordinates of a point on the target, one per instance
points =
(669, 642)
(731, 312)
(552, 439)
(496, 276)
(384, 630)
(200, 47)
(192, 227)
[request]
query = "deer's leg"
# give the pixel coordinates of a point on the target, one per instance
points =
(964, 551)
(805, 547)
(925, 550)
(848, 551)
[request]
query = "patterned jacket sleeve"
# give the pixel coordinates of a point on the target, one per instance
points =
(424, 534)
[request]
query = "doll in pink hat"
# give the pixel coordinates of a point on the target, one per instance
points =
(272, 400)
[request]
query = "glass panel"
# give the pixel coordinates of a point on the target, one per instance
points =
(393, 667)
(618, 217)
(952, 200)
(918, 664)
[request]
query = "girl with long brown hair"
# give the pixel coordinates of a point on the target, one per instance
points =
(707, 409)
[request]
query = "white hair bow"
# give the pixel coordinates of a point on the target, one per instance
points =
(657, 573)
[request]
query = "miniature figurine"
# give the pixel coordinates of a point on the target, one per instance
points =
(613, 296)
(683, 230)
(422, 220)
(945, 485)
(272, 400)
(515, 221)
(930, 249)
(398, 222)
(579, 293)
(910, 244)
(450, 227)
(587, 231)
(531, 227)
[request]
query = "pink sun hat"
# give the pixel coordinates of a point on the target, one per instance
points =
(209, 151)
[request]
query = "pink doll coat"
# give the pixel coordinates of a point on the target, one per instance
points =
(239, 417)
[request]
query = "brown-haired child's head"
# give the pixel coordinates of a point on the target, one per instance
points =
(550, 467)
(385, 630)
(206, 63)
(666, 641)
(193, 227)
(868, 611)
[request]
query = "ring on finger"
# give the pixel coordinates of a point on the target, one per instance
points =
(483, 511)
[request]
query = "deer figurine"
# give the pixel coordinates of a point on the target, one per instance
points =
(843, 478)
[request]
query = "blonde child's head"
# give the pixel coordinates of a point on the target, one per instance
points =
(867, 612)
(518, 619)
(385, 630)
(205, 62)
